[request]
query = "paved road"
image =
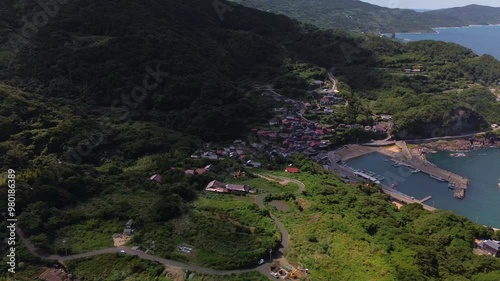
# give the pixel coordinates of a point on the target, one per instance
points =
(264, 268)
(443, 138)
(285, 238)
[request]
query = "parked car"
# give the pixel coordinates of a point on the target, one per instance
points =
(275, 275)
(122, 252)
(261, 261)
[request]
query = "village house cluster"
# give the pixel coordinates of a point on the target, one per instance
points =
(237, 149)
(289, 132)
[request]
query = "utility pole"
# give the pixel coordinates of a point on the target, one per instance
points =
(270, 255)
(153, 247)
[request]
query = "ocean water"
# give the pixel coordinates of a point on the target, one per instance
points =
(480, 39)
(481, 167)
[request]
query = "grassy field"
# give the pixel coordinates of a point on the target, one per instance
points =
(113, 267)
(224, 232)
(90, 235)
(28, 267)
(264, 185)
(251, 276)
(323, 241)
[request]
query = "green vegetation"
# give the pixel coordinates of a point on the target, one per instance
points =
(359, 16)
(87, 236)
(224, 232)
(265, 185)
(84, 150)
(353, 232)
(116, 267)
(252, 276)
(28, 266)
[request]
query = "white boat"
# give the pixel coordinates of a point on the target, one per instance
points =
(415, 171)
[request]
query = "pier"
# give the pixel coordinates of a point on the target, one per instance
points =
(434, 172)
(425, 199)
(405, 158)
(407, 199)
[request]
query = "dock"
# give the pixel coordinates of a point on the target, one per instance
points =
(460, 183)
(425, 199)
(406, 159)
(407, 199)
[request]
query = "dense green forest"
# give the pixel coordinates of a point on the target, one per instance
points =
(106, 94)
(359, 16)
(352, 232)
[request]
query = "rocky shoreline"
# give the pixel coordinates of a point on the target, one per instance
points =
(461, 144)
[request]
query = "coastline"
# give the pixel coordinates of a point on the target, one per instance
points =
(415, 153)
(460, 145)
(435, 29)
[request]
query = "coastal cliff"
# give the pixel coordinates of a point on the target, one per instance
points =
(461, 121)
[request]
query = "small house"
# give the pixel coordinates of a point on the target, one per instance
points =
(128, 231)
(216, 186)
(292, 170)
(491, 247)
(54, 274)
(156, 178)
(129, 223)
(200, 171)
(251, 163)
(240, 188)
(386, 117)
(210, 155)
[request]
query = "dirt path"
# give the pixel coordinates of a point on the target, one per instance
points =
(264, 268)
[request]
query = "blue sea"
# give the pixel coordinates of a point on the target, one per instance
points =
(481, 167)
(480, 39)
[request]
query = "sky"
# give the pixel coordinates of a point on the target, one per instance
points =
(431, 4)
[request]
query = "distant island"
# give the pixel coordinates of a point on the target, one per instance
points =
(359, 16)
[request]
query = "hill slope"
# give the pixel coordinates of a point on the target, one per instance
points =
(84, 140)
(471, 14)
(359, 16)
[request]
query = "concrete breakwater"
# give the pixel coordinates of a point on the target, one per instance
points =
(401, 155)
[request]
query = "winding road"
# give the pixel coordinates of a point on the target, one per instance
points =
(264, 268)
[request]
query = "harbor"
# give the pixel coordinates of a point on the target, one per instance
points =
(480, 167)
(401, 156)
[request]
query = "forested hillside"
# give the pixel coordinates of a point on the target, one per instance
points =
(471, 14)
(359, 16)
(108, 93)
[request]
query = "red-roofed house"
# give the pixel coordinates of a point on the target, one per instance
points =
(292, 170)
(200, 171)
